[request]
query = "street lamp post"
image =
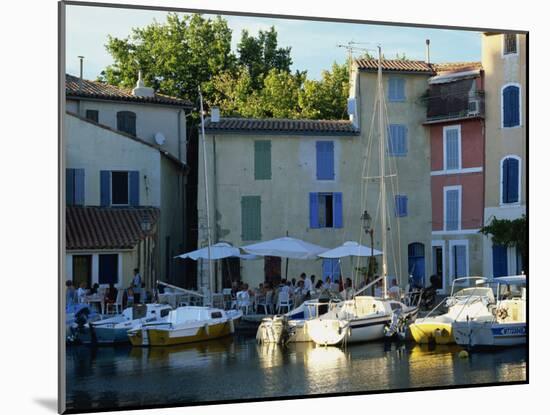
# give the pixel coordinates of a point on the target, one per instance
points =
(369, 230)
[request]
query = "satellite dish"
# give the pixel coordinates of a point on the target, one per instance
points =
(159, 138)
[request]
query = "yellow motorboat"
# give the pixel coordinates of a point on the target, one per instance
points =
(437, 330)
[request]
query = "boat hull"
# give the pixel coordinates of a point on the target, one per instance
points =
(168, 337)
(108, 335)
(489, 334)
(437, 332)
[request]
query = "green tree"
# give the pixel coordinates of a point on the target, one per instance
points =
(176, 56)
(508, 232)
(326, 98)
(262, 54)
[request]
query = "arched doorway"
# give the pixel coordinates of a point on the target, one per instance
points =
(417, 266)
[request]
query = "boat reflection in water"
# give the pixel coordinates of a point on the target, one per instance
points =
(239, 368)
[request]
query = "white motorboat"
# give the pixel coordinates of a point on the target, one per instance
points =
(505, 325)
(291, 327)
(362, 319)
(186, 325)
(463, 304)
(115, 329)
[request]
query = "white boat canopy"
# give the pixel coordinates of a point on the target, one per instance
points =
(350, 248)
(511, 280)
(217, 251)
(285, 247)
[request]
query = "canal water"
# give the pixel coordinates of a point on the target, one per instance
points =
(239, 368)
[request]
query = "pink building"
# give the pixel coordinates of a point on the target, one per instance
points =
(455, 118)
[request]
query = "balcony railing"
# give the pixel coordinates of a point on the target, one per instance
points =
(453, 105)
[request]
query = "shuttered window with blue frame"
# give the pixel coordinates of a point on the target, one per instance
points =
(397, 140)
(452, 210)
(74, 185)
(510, 180)
(106, 188)
(452, 149)
(510, 106)
(401, 208)
(325, 160)
(325, 210)
(500, 261)
(251, 218)
(396, 89)
(460, 261)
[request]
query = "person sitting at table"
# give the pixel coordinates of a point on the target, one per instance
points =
(95, 289)
(293, 282)
(312, 278)
(394, 291)
(335, 286)
(348, 291)
(327, 284)
(82, 292)
(111, 294)
(70, 293)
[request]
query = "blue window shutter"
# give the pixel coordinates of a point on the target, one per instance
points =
(397, 140)
(79, 187)
(313, 210)
(325, 160)
(451, 148)
(337, 211)
(505, 180)
(105, 187)
(500, 261)
(452, 219)
(396, 89)
(262, 160)
(134, 188)
(69, 186)
(510, 102)
(251, 218)
(513, 181)
(401, 205)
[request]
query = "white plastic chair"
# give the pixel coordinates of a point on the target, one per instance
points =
(227, 298)
(243, 301)
(118, 302)
(283, 301)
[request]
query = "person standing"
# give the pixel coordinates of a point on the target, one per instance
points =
(70, 293)
(136, 286)
(307, 283)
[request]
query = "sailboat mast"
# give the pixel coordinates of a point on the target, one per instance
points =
(210, 275)
(382, 165)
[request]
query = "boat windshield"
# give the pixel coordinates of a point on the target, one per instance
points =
(476, 292)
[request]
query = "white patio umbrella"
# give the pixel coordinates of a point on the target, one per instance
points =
(285, 247)
(350, 248)
(217, 251)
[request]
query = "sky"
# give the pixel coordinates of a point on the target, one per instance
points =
(314, 44)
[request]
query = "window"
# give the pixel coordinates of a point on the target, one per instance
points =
(74, 186)
(331, 269)
(510, 45)
(401, 208)
(119, 188)
(452, 148)
(92, 115)
(126, 122)
(510, 106)
(262, 160)
(459, 259)
(325, 210)
(452, 207)
(251, 218)
(108, 269)
(396, 89)
(325, 160)
(510, 179)
(397, 142)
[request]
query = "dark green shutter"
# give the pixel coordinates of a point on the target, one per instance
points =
(251, 218)
(262, 160)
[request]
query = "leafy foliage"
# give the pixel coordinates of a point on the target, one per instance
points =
(508, 232)
(187, 51)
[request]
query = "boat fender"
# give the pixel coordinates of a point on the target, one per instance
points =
(206, 331)
(231, 326)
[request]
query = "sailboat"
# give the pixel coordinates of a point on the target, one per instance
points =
(364, 317)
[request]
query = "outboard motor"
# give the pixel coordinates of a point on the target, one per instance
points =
(397, 325)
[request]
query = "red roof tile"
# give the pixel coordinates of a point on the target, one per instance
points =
(457, 66)
(92, 227)
(99, 90)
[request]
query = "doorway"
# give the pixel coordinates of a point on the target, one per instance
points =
(417, 266)
(272, 269)
(231, 271)
(82, 270)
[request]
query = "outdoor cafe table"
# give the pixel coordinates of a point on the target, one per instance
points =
(97, 299)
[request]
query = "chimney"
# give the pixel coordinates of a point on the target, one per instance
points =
(427, 50)
(81, 71)
(141, 90)
(215, 115)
